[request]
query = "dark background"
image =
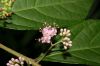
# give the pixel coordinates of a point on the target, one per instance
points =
(22, 41)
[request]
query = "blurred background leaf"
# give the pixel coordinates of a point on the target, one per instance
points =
(31, 14)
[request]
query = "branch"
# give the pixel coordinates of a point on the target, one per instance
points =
(27, 59)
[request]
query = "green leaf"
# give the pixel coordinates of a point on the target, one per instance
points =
(86, 45)
(31, 14)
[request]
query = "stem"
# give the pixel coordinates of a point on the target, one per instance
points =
(18, 54)
(44, 54)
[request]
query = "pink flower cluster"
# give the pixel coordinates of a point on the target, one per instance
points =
(48, 32)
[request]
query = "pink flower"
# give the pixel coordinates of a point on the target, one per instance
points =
(48, 32)
(45, 39)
